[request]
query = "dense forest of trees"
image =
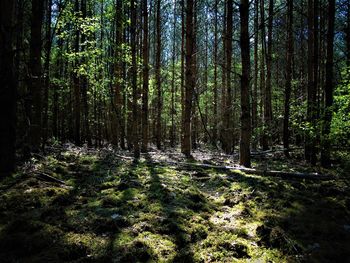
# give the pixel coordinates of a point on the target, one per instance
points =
(236, 76)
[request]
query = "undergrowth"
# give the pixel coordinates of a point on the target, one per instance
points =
(115, 210)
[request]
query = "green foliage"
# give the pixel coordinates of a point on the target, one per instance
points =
(340, 129)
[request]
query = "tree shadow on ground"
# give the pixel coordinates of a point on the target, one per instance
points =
(120, 211)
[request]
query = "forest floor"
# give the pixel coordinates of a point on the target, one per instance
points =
(110, 209)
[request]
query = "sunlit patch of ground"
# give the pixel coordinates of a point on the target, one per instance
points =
(114, 210)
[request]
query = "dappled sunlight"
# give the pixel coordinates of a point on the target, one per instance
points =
(110, 209)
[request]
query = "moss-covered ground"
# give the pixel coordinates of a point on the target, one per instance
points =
(112, 209)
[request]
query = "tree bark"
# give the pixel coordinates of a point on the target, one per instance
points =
(145, 76)
(268, 87)
(190, 79)
(228, 131)
(256, 71)
(215, 87)
(158, 77)
(244, 152)
(76, 84)
(172, 110)
(310, 152)
(35, 80)
(288, 84)
(325, 153)
(133, 71)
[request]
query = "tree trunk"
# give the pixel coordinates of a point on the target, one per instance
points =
(76, 84)
(158, 78)
(48, 45)
(35, 82)
(215, 87)
(268, 87)
(256, 70)
(288, 84)
(228, 131)
(310, 152)
(244, 152)
(145, 79)
(182, 72)
(263, 138)
(325, 153)
(190, 79)
(135, 120)
(7, 89)
(172, 110)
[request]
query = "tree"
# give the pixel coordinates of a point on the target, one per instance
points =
(244, 152)
(256, 71)
(268, 87)
(133, 71)
(35, 79)
(228, 131)
(215, 86)
(310, 151)
(189, 79)
(288, 84)
(145, 79)
(158, 77)
(325, 152)
(8, 89)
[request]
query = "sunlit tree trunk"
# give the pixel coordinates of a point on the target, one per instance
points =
(158, 77)
(244, 152)
(227, 117)
(190, 79)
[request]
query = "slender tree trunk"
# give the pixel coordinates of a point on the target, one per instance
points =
(215, 87)
(223, 80)
(268, 87)
(35, 83)
(256, 71)
(182, 72)
(7, 89)
(310, 153)
(76, 84)
(244, 152)
(228, 131)
(325, 153)
(190, 79)
(158, 77)
(48, 45)
(135, 120)
(194, 114)
(288, 84)
(172, 111)
(145, 77)
(84, 86)
(263, 138)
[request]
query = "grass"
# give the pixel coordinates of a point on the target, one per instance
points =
(114, 210)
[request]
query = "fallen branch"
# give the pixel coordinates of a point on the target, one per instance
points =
(49, 178)
(298, 175)
(275, 150)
